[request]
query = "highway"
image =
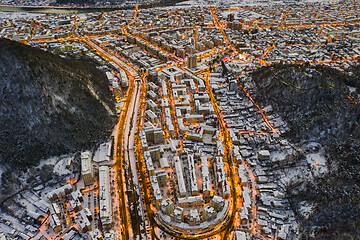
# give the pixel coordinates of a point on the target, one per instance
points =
(228, 144)
(227, 224)
(223, 33)
(128, 146)
(134, 204)
(130, 162)
(127, 136)
(123, 200)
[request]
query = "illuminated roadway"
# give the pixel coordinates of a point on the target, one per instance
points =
(128, 131)
(226, 225)
(124, 213)
(128, 140)
(228, 143)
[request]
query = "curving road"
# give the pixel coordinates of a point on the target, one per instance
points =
(128, 141)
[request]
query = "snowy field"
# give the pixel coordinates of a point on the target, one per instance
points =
(31, 203)
(18, 15)
(237, 3)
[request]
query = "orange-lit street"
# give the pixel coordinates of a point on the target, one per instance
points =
(178, 120)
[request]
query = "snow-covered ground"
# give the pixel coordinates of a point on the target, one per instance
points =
(315, 158)
(18, 15)
(306, 208)
(235, 3)
(240, 14)
(60, 167)
(1, 171)
(30, 203)
(317, 162)
(314, 164)
(323, 1)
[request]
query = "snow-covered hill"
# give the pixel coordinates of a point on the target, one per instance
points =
(49, 105)
(319, 105)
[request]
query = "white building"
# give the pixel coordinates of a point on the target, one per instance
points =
(205, 176)
(180, 177)
(103, 153)
(208, 213)
(104, 197)
(156, 190)
(194, 218)
(193, 181)
(86, 168)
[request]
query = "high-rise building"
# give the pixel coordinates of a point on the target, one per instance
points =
(192, 61)
(105, 197)
(231, 17)
(86, 168)
(208, 213)
(167, 206)
(232, 85)
(153, 76)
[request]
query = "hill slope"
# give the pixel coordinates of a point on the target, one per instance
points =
(49, 105)
(315, 104)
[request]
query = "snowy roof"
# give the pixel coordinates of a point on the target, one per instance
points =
(193, 182)
(205, 173)
(104, 194)
(103, 153)
(179, 174)
(85, 163)
(156, 188)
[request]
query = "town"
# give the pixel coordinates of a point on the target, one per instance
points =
(193, 155)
